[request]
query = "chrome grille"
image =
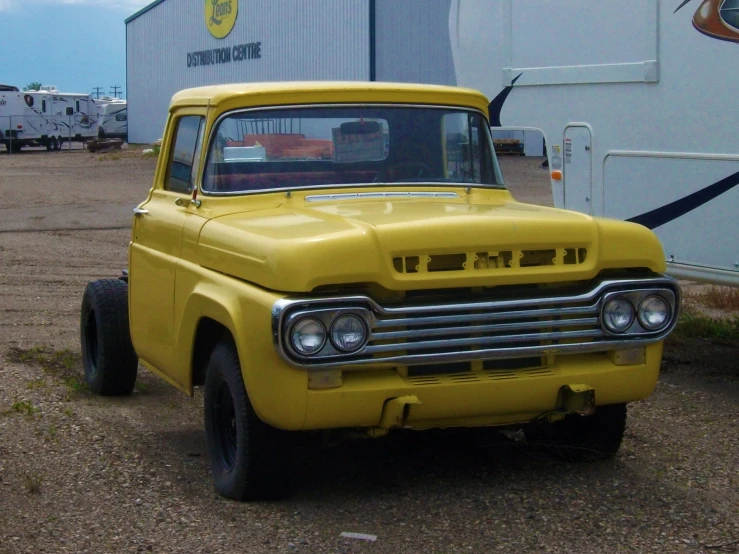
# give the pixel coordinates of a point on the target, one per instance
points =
(479, 330)
(444, 332)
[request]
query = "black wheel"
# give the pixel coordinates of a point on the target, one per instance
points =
(16, 148)
(48, 144)
(582, 438)
(108, 356)
(59, 142)
(249, 459)
(54, 144)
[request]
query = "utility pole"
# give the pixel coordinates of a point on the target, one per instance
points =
(115, 90)
(97, 92)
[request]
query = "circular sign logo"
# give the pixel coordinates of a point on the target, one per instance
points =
(220, 16)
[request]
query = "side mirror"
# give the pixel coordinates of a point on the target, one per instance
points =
(70, 111)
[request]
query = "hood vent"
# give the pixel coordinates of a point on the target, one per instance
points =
(503, 259)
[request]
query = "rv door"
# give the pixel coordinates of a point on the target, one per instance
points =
(578, 167)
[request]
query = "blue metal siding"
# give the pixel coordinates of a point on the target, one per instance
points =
(301, 40)
(413, 42)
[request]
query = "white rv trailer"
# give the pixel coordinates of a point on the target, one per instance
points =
(46, 117)
(113, 118)
(637, 103)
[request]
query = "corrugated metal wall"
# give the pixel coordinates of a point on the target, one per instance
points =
(413, 43)
(301, 40)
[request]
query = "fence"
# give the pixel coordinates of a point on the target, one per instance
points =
(51, 131)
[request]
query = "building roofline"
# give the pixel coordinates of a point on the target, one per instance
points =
(143, 10)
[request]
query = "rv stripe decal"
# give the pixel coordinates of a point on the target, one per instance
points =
(680, 207)
(495, 107)
(681, 5)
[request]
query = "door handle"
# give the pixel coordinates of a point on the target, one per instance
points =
(140, 211)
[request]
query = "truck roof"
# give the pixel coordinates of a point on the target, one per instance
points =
(321, 92)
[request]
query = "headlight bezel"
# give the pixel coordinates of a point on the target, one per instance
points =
(327, 317)
(636, 296)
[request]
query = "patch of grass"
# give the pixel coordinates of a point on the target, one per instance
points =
(52, 431)
(74, 383)
(35, 384)
(718, 298)
(141, 387)
(24, 407)
(32, 482)
(63, 364)
(25, 355)
(695, 325)
(68, 412)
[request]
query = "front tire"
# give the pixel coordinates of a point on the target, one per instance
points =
(583, 438)
(108, 357)
(249, 459)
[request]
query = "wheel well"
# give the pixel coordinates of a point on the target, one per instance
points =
(208, 334)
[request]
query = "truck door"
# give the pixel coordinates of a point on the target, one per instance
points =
(155, 249)
(578, 166)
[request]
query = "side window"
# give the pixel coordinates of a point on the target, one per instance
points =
(180, 174)
(121, 117)
(469, 156)
(77, 106)
(43, 106)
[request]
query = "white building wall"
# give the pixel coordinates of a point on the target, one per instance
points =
(300, 40)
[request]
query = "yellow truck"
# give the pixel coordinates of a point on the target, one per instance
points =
(345, 256)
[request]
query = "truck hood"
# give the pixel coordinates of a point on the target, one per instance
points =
(404, 244)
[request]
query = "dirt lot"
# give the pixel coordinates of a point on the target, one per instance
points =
(85, 474)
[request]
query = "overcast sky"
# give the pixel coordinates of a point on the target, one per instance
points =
(74, 44)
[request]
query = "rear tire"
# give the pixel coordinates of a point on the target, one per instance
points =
(110, 363)
(249, 459)
(583, 438)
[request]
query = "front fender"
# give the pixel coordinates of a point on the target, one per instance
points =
(277, 392)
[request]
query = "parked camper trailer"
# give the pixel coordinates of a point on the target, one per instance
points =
(46, 117)
(636, 101)
(113, 118)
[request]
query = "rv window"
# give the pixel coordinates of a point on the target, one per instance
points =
(188, 137)
(78, 106)
(43, 106)
(121, 117)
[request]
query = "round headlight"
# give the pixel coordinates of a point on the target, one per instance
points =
(654, 312)
(308, 336)
(348, 333)
(618, 314)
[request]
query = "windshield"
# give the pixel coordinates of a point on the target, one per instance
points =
(352, 145)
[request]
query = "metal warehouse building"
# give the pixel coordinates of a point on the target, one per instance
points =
(176, 44)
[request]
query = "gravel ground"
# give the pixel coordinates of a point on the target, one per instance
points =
(79, 473)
